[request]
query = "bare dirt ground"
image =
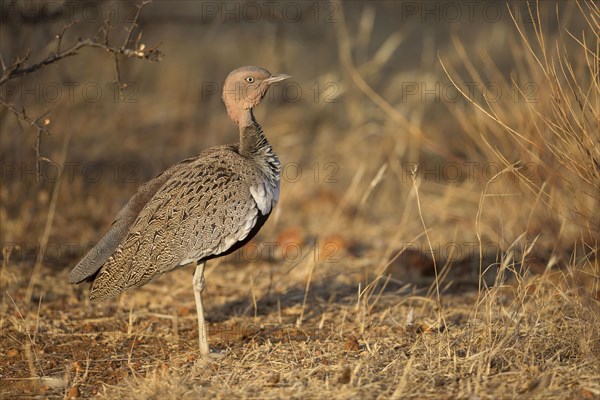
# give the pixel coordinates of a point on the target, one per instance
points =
(533, 340)
(436, 236)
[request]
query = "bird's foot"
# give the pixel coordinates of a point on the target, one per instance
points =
(211, 357)
(216, 354)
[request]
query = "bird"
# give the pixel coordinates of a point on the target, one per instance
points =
(199, 209)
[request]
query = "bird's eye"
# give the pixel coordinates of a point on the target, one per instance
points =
(249, 79)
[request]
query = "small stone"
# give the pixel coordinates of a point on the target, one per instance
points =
(274, 378)
(345, 376)
(351, 344)
(73, 392)
(77, 366)
(183, 311)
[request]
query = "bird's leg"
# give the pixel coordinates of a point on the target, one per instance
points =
(198, 283)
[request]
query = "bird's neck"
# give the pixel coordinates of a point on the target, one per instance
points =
(254, 144)
(253, 141)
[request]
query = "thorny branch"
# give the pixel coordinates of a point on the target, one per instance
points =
(19, 68)
(40, 124)
(152, 54)
(16, 71)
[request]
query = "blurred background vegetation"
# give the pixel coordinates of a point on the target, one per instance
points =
(510, 164)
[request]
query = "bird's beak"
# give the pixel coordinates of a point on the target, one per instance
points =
(276, 78)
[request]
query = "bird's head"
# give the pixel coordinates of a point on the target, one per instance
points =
(244, 88)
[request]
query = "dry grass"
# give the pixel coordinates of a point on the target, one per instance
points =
(410, 284)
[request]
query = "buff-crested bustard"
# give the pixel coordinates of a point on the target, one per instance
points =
(201, 208)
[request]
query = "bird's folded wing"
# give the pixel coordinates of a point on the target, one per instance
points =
(201, 210)
(97, 256)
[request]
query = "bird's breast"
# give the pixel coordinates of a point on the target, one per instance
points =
(265, 194)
